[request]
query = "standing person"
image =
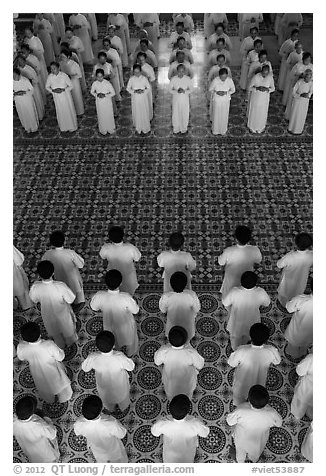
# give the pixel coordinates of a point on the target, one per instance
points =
(247, 21)
(24, 102)
(150, 55)
(82, 29)
(60, 86)
(181, 364)
(122, 30)
(45, 364)
(219, 33)
(34, 62)
(35, 44)
(211, 20)
(246, 46)
(214, 72)
(180, 87)
(293, 58)
(150, 22)
(243, 305)
(67, 264)
(31, 74)
(296, 73)
(180, 432)
(115, 40)
(36, 436)
(116, 65)
(184, 18)
(76, 46)
(256, 67)
(122, 256)
(180, 305)
(286, 48)
(43, 29)
(237, 259)
(251, 423)
(297, 109)
(288, 22)
(20, 281)
(253, 60)
(295, 267)
(175, 260)
(103, 432)
(221, 88)
(219, 50)
(58, 24)
(55, 299)
(72, 69)
(181, 46)
(252, 362)
(139, 88)
(149, 73)
(180, 31)
(91, 18)
(180, 60)
(103, 92)
(302, 401)
(118, 309)
(262, 84)
(111, 372)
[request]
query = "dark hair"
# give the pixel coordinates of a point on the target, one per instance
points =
(176, 240)
(92, 407)
(68, 29)
(25, 407)
(45, 269)
(17, 71)
(259, 333)
(101, 53)
(145, 41)
(55, 63)
(295, 30)
(105, 341)
(25, 47)
(242, 234)
(220, 25)
(18, 57)
(141, 53)
(181, 65)
(265, 68)
(136, 66)
(179, 406)
(306, 55)
(180, 52)
(223, 71)
(106, 39)
(98, 71)
(249, 279)
(113, 279)
(64, 45)
(220, 56)
(180, 23)
(57, 238)
(66, 52)
(30, 331)
(178, 281)
(262, 52)
(303, 241)
(181, 38)
(220, 40)
(178, 336)
(258, 41)
(258, 396)
(253, 28)
(116, 232)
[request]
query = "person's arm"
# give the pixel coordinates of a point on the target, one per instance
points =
(196, 303)
(95, 303)
(282, 262)
(159, 357)
(132, 305)
(20, 352)
(56, 352)
(68, 83)
(232, 418)
(227, 300)
(292, 305)
(67, 294)
(33, 295)
(171, 73)
(222, 259)
(128, 364)
(130, 88)
(197, 360)
(234, 359)
(276, 358)
(191, 263)
(266, 300)
(77, 259)
(232, 87)
(304, 365)
(203, 430)
(295, 90)
(156, 429)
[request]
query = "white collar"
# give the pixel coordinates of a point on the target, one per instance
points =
(257, 346)
(177, 348)
(113, 291)
(47, 281)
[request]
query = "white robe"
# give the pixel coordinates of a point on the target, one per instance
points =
(252, 363)
(307, 444)
(181, 309)
(180, 438)
(288, 22)
(299, 332)
(251, 429)
(37, 437)
(221, 104)
(33, 61)
(211, 42)
(237, 259)
(83, 32)
(148, 72)
(76, 45)
(36, 46)
(214, 72)
(122, 256)
(173, 261)
(180, 369)
(64, 106)
(213, 54)
(246, 46)
(141, 113)
(152, 30)
(211, 20)
(173, 71)
(20, 280)
(246, 23)
(117, 72)
(66, 268)
(259, 102)
(118, 311)
(186, 19)
(297, 108)
(174, 38)
(45, 35)
(285, 50)
(302, 401)
(180, 102)
(25, 105)
(45, 364)
(244, 312)
(104, 106)
(291, 79)
(91, 18)
(295, 267)
(112, 379)
(72, 69)
(29, 73)
(59, 320)
(103, 436)
(122, 30)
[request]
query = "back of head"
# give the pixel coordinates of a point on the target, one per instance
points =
(242, 234)
(176, 240)
(180, 406)
(249, 279)
(178, 281)
(30, 331)
(25, 407)
(259, 333)
(178, 336)
(92, 407)
(303, 241)
(105, 341)
(57, 238)
(116, 234)
(45, 269)
(258, 396)
(113, 279)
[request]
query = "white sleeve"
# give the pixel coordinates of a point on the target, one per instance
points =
(95, 303)
(234, 359)
(163, 303)
(87, 365)
(157, 428)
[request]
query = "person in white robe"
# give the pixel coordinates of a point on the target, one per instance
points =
(243, 305)
(251, 422)
(277, 24)
(76, 46)
(299, 333)
(180, 31)
(67, 264)
(144, 48)
(103, 432)
(174, 260)
(299, 66)
(256, 67)
(55, 299)
(286, 48)
(122, 30)
(181, 364)
(36, 46)
(180, 87)
(262, 84)
(139, 88)
(218, 50)
(180, 305)
(213, 19)
(20, 281)
(116, 75)
(36, 436)
(181, 46)
(297, 109)
(237, 259)
(288, 22)
(302, 401)
(186, 19)
(58, 24)
(60, 85)
(24, 102)
(45, 364)
(180, 59)
(118, 310)
(91, 18)
(253, 60)
(115, 40)
(307, 444)
(103, 92)
(122, 256)
(111, 372)
(293, 58)
(221, 89)
(219, 33)
(34, 62)
(180, 432)
(247, 21)
(72, 69)
(43, 29)
(252, 362)
(142, 35)
(82, 29)
(30, 74)
(246, 46)
(149, 73)
(214, 70)
(150, 22)
(295, 267)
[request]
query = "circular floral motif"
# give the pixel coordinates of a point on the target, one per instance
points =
(284, 323)
(207, 326)
(86, 133)
(215, 441)
(275, 130)
(269, 323)
(211, 407)
(78, 460)
(120, 414)
(148, 407)
(19, 321)
(79, 403)
(59, 434)
(26, 379)
(148, 349)
(230, 376)
(123, 132)
(150, 303)
(302, 433)
(208, 303)
(293, 377)
(88, 348)
(210, 351)
(77, 443)
(70, 352)
(237, 131)
(279, 405)
(145, 460)
(86, 379)
(49, 133)
(209, 378)
(279, 441)
(149, 378)
(94, 325)
(55, 410)
(152, 326)
(143, 439)
(274, 380)
(290, 357)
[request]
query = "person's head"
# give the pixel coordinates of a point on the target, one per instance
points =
(106, 43)
(242, 234)
(179, 27)
(180, 406)
(181, 70)
(298, 46)
(262, 56)
(294, 34)
(259, 333)
(102, 58)
(65, 55)
(253, 32)
(29, 32)
(105, 341)
(265, 70)
(176, 240)
(180, 56)
(303, 241)
(306, 58)
(99, 73)
(220, 60)
(25, 407)
(178, 281)
(25, 50)
(249, 279)
(69, 33)
(258, 396)
(116, 232)
(21, 62)
(220, 44)
(64, 45)
(92, 407)
(143, 44)
(141, 58)
(177, 336)
(223, 74)
(57, 238)
(113, 279)
(54, 67)
(258, 44)
(219, 29)
(45, 269)
(16, 74)
(136, 69)
(181, 42)
(30, 332)
(143, 34)
(307, 75)
(111, 31)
